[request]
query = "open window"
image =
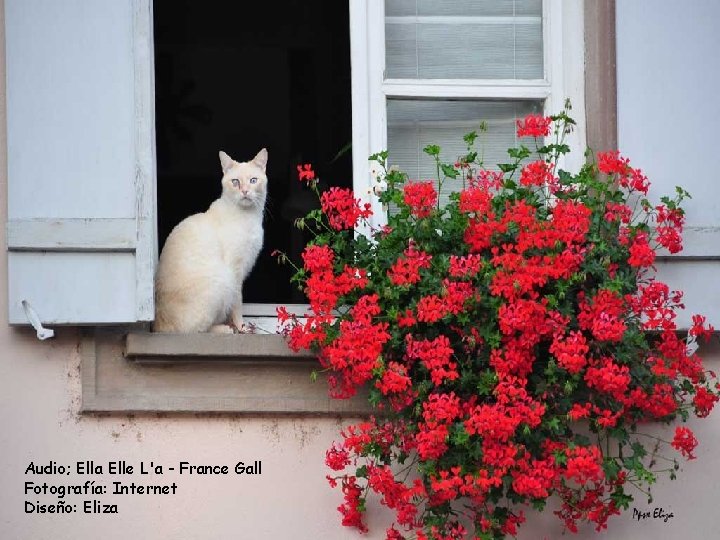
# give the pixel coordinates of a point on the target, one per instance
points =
(238, 76)
(112, 78)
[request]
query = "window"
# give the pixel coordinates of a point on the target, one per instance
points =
(84, 239)
(82, 231)
(434, 71)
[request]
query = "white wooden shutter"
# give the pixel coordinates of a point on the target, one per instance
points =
(81, 172)
(667, 119)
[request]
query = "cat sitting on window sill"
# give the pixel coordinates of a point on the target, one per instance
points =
(206, 258)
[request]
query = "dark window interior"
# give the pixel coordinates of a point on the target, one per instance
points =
(239, 76)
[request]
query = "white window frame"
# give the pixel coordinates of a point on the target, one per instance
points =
(563, 59)
(563, 63)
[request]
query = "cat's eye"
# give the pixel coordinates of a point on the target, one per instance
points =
(253, 180)
(236, 182)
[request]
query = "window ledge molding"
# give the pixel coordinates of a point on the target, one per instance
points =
(256, 375)
(146, 347)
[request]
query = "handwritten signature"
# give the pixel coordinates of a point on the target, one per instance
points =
(656, 513)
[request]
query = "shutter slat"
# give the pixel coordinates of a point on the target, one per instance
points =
(72, 235)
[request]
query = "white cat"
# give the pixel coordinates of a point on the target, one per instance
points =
(207, 256)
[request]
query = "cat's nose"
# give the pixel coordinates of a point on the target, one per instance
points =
(245, 192)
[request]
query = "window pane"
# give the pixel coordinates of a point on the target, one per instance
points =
(414, 124)
(463, 39)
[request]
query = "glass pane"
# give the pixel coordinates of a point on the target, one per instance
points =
(414, 124)
(463, 39)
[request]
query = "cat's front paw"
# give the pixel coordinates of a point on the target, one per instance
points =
(222, 329)
(246, 328)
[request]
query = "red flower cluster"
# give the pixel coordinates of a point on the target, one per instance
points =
(305, 172)
(534, 125)
(641, 254)
(485, 333)
(435, 355)
(571, 351)
(684, 441)
(318, 258)
(431, 309)
(613, 164)
(487, 180)
(700, 328)
(609, 378)
(406, 270)
(584, 464)
(421, 197)
(354, 354)
(656, 305)
(466, 266)
(337, 458)
(539, 173)
(350, 509)
(603, 315)
(475, 200)
(342, 209)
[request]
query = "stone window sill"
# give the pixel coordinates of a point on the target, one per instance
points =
(250, 374)
(145, 347)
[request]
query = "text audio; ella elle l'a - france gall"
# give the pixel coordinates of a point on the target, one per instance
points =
(124, 468)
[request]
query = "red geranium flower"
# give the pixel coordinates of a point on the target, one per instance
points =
(421, 197)
(684, 441)
(534, 125)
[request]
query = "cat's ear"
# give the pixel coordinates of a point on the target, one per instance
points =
(261, 159)
(225, 161)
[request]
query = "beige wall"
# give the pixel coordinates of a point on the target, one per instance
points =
(39, 421)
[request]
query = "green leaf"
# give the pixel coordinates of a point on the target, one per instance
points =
(458, 435)
(519, 153)
(507, 167)
(374, 396)
(449, 171)
(432, 150)
(611, 468)
(638, 450)
(487, 382)
(565, 177)
(621, 499)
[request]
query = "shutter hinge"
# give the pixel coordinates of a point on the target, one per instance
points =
(32, 317)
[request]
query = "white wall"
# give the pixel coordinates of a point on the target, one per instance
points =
(668, 74)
